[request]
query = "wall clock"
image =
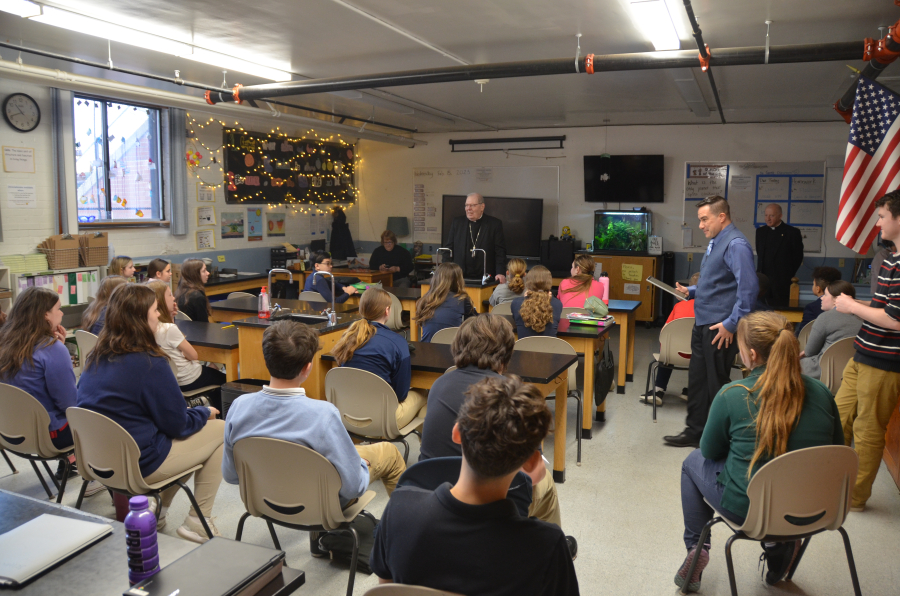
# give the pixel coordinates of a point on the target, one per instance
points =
(21, 112)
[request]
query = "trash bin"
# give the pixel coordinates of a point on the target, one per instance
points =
(231, 391)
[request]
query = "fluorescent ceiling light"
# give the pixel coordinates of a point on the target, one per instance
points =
(653, 19)
(237, 64)
(22, 8)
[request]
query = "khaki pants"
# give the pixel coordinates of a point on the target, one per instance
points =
(385, 463)
(865, 401)
(415, 404)
(545, 501)
(203, 447)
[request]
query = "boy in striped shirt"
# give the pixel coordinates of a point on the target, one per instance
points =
(871, 384)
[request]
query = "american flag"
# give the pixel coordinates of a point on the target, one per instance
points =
(872, 165)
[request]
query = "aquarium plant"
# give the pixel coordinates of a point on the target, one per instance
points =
(620, 235)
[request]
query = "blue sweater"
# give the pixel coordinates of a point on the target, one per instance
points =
(322, 285)
(50, 380)
(386, 354)
(449, 314)
(140, 393)
(288, 415)
(524, 331)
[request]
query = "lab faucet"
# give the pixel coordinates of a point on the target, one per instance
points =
(271, 271)
(332, 316)
(448, 250)
(486, 276)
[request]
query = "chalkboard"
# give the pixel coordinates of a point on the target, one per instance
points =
(277, 169)
(798, 187)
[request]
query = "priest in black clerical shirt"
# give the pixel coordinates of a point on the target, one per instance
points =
(477, 230)
(779, 248)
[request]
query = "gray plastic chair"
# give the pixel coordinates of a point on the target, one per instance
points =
(554, 345)
(833, 360)
(674, 352)
(310, 296)
(180, 316)
(240, 295)
(445, 336)
(108, 454)
(368, 406)
(293, 486)
(504, 308)
(85, 340)
(794, 497)
(803, 337)
(24, 431)
(395, 320)
(404, 590)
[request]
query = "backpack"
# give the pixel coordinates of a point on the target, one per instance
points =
(604, 374)
(339, 544)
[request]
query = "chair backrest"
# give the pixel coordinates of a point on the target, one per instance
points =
(24, 423)
(105, 451)
(240, 295)
(570, 309)
(367, 404)
(833, 360)
(86, 342)
(803, 337)
(181, 316)
(801, 492)
(445, 336)
(675, 342)
(406, 590)
(311, 296)
(288, 482)
(395, 321)
(504, 308)
(550, 345)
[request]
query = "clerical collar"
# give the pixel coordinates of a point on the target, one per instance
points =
(773, 228)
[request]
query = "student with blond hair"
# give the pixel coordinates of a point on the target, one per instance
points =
(538, 312)
(121, 265)
(446, 304)
(514, 285)
(752, 421)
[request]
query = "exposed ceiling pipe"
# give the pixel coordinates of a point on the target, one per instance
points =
(878, 55)
(185, 83)
(588, 64)
(704, 55)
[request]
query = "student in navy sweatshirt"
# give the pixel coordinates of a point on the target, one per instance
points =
(321, 261)
(128, 379)
(538, 312)
(446, 304)
(190, 293)
(370, 345)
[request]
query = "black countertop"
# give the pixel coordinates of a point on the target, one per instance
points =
(405, 293)
(344, 320)
(218, 281)
(209, 335)
(567, 329)
(306, 307)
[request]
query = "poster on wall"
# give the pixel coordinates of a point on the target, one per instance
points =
(275, 224)
(206, 193)
(206, 239)
(254, 225)
(206, 216)
(18, 159)
(232, 225)
(19, 196)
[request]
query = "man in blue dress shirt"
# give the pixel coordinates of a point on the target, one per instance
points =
(727, 291)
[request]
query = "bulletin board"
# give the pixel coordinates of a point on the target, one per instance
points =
(277, 169)
(798, 187)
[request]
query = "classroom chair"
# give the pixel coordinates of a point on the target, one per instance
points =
(504, 308)
(674, 352)
(803, 337)
(395, 320)
(833, 360)
(8, 461)
(554, 345)
(794, 497)
(405, 590)
(445, 336)
(310, 296)
(293, 486)
(240, 295)
(368, 406)
(180, 316)
(108, 454)
(85, 340)
(23, 431)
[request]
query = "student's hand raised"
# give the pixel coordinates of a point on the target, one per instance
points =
(213, 413)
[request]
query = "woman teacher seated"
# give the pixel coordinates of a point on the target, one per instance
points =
(321, 261)
(390, 257)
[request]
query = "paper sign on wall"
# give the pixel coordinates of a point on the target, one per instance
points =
(18, 159)
(632, 272)
(632, 288)
(19, 196)
(206, 193)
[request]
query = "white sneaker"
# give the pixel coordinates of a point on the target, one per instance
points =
(645, 399)
(93, 488)
(193, 530)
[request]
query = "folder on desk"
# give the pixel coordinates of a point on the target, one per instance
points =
(41, 543)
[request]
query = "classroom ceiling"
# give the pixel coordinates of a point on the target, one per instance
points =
(327, 38)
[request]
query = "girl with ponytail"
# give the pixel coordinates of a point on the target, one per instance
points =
(515, 283)
(538, 312)
(370, 345)
(751, 421)
(576, 289)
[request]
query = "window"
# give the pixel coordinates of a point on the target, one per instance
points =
(117, 150)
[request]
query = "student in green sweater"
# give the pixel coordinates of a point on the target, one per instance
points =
(751, 421)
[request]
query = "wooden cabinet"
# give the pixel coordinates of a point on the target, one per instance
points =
(892, 447)
(633, 271)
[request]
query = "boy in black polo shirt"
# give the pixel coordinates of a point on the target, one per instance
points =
(469, 538)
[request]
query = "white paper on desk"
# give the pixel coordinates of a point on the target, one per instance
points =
(42, 542)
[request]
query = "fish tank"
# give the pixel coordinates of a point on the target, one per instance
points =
(622, 231)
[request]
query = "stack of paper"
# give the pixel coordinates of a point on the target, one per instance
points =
(26, 263)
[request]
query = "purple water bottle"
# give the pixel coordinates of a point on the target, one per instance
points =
(140, 540)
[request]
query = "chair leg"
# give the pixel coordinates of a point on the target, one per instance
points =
(50, 474)
(707, 529)
(84, 484)
(9, 462)
(353, 560)
(62, 488)
(405, 450)
(651, 383)
(793, 569)
(647, 384)
(196, 507)
(730, 563)
(273, 534)
(853, 576)
(41, 478)
(240, 530)
(579, 397)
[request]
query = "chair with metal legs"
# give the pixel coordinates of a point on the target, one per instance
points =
(674, 353)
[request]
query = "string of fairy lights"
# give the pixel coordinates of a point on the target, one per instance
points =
(336, 160)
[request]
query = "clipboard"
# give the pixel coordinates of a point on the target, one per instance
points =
(666, 288)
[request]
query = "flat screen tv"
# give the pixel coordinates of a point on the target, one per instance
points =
(521, 221)
(623, 179)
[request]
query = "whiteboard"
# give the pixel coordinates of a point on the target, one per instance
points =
(525, 182)
(798, 187)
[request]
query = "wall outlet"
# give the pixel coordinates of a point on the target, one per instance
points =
(840, 262)
(690, 257)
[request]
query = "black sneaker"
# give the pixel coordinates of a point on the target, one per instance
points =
(73, 471)
(314, 548)
(573, 546)
(779, 559)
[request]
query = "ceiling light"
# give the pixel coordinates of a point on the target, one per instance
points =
(653, 19)
(236, 64)
(22, 8)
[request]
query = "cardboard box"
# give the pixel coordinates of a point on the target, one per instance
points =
(61, 242)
